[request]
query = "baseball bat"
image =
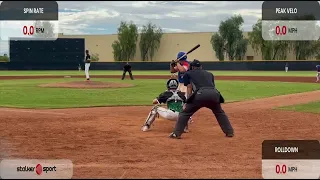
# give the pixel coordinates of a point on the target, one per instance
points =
(190, 51)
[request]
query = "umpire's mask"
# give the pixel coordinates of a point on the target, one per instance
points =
(195, 64)
(172, 84)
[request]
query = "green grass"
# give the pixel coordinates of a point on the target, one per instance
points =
(27, 94)
(111, 72)
(313, 107)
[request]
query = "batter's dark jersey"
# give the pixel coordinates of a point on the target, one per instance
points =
(127, 67)
(163, 97)
(87, 58)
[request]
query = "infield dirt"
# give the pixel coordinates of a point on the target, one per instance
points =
(106, 142)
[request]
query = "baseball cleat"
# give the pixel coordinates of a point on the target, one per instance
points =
(186, 129)
(174, 136)
(145, 128)
(229, 135)
(190, 120)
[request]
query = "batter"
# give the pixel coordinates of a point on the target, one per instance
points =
(181, 67)
(174, 99)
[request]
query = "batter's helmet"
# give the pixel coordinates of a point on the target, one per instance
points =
(172, 84)
(180, 54)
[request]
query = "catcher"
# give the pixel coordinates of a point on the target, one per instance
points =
(174, 99)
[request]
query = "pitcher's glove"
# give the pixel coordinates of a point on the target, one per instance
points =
(173, 63)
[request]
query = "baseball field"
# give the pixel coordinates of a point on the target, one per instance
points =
(57, 115)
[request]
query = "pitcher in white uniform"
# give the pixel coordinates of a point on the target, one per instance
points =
(87, 62)
(175, 100)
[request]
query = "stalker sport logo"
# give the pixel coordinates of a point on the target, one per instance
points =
(38, 169)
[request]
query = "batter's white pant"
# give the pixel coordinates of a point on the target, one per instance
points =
(86, 70)
(182, 88)
(286, 68)
(318, 76)
(168, 114)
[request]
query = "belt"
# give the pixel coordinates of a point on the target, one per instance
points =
(203, 88)
(207, 88)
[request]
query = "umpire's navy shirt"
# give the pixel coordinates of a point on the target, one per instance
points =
(199, 78)
(127, 67)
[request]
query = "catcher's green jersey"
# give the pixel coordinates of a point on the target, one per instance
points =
(173, 98)
(175, 106)
(175, 102)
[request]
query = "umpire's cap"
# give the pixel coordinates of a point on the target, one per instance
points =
(195, 63)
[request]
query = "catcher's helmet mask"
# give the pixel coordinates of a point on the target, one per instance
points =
(172, 84)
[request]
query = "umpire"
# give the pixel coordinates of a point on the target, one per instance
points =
(201, 92)
(127, 68)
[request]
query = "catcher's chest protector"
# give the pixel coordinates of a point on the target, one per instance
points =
(174, 102)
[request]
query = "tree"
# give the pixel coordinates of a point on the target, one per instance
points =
(241, 49)
(218, 46)
(150, 38)
(270, 50)
(47, 29)
(4, 58)
(95, 57)
(318, 56)
(307, 49)
(229, 39)
(278, 49)
(124, 49)
(317, 49)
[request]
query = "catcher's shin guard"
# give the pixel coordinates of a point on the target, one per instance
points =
(151, 117)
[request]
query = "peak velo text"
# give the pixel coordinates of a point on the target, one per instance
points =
(286, 10)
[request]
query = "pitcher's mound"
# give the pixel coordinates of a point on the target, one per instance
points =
(87, 85)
